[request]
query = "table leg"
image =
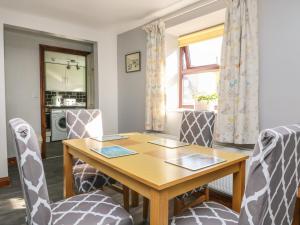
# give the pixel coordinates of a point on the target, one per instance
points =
(134, 198)
(126, 198)
(68, 176)
(145, 208)
(159, 208)
(238, 187)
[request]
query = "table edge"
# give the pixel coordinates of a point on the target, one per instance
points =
(155, 186)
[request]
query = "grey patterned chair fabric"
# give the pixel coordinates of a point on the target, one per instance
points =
(92, 208)
(208, 213)
(85, 123)
(197, 128)
(87, 178)
(95, 208)
(274, 178)
(31, 172)
(273, 181)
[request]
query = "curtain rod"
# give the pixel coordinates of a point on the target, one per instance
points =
(186, 10)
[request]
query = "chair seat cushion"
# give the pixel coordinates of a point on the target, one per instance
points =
(87, 178)
(192, 192)
(94, 208)
(208, 213)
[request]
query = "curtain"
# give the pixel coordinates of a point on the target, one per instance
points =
(155, 72)
(237, 121)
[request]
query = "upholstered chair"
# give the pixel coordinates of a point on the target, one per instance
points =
(92, 208)
(86, 123)
(196, 128)
(271, 190)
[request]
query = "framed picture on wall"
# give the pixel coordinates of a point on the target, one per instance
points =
(133, 62)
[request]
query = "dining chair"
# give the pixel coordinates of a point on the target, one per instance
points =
(94, 208)
(196, 128)
(271, 190)
(86, 123)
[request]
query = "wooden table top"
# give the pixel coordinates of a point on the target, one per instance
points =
(148, 166)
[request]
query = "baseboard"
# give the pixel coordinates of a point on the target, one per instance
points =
(4, 181)
(12, 161)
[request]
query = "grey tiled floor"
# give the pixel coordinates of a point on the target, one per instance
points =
(12, 207)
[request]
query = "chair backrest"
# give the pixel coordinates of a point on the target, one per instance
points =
(197, 127)
(31, 173)
(273, 179)
(84, 123)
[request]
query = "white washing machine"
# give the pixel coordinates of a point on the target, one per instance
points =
(58, 125)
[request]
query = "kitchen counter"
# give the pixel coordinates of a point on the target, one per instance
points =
(48, 108)
(65, 106)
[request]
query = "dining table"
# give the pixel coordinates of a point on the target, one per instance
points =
(148, 173)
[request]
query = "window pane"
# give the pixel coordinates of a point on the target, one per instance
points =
(206, 52)
(199, 84)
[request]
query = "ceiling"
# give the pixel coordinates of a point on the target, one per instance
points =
(200, 23)
(94, 13)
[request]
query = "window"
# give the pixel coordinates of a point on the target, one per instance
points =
(200, 54)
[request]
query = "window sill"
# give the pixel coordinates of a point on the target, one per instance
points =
(180, 110)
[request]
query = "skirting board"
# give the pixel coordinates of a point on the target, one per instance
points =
(12, 161)
(4, 181)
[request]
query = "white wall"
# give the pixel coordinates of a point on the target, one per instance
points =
(107, 66)
(3, 151)
(22, 75)
(279, 36)
(131, 86)
(173, 116)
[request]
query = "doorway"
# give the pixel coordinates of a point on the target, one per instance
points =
(64, 84)
(22, 76)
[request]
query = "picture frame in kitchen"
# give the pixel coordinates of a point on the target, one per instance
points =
(133, 62)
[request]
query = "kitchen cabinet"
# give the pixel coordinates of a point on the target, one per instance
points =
(55, 77)
(59, 78)
(75, 79)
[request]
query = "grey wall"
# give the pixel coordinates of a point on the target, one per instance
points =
(131, 86)
(279, 37)
(279, 23)
(22, 75)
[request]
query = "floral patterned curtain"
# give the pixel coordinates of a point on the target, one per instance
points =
(155, 72)
(237, 121)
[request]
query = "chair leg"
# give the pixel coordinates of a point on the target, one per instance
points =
(126, 197)
(207, 194)
(134, 199)
(178, 206)
(145, 208)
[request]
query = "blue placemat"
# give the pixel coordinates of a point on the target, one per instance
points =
(114, 151)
